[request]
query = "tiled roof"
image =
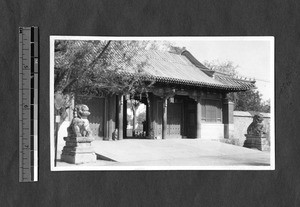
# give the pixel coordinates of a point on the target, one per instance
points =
(182, 69)
(166, 66)
(172, 68)
(231, 81)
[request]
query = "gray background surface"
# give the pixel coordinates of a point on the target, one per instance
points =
(150, 18)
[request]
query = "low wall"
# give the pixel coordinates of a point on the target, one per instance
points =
(241, 120)
(62, 132)
(212, 131)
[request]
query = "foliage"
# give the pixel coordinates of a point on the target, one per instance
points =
(141, 117)
(175, 49)
(251, 101)
(129, 120)
(227, 67)
(266, 106)
(134, 106)
(156, 45)
(167, 46)
(96, 68)
(93, 67)
(245, 100)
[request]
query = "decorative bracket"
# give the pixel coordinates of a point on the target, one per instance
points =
(164, 93)
(196, 95)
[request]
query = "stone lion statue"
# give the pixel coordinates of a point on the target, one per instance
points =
(256, 128)
(80, 126)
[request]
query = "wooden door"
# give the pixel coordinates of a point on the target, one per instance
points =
(174, 120)
(191, 120)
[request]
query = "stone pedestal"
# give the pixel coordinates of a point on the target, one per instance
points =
(78, 150)
(256, 142)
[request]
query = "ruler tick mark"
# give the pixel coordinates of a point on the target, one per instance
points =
(28, 131)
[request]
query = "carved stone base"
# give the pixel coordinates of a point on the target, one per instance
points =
(256, 142)
(79, 158)
(78, 150)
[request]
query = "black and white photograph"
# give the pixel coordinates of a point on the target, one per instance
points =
(150, 103)
(161, 103)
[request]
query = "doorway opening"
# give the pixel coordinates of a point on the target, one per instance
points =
(136, 119)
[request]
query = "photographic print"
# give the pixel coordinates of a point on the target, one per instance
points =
(162, 103)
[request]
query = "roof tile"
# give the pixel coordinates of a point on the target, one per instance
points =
(173, 68)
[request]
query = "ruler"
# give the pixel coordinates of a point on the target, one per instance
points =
(28, 103)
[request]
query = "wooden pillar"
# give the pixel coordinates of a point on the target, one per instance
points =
(183, 119)
(150, 129)
(124, 118)
(106, 118)
(227, 115)
(199, 117)
(154, 115)
(111, 117)
(110, 122)
(147, 119)
(120, 116)
(164, 118)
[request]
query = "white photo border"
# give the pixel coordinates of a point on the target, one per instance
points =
(150, 168)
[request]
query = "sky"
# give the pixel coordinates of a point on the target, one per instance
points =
(252, 56)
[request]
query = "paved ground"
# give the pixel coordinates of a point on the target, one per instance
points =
(174, 152)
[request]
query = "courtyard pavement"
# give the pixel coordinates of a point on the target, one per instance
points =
(174, 152)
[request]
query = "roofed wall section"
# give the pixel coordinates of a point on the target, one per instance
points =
(242, 119)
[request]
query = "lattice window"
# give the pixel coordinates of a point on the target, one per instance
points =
(211, 110)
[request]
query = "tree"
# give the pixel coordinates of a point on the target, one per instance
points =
(134, 106)
(141, 117)
(246, 100)
(94, 68)
(129, 119)
(251, 101)
(266, 106)
(227, 67)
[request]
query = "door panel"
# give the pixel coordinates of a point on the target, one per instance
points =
(191, 120)
(174, 126)
(174, 120)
